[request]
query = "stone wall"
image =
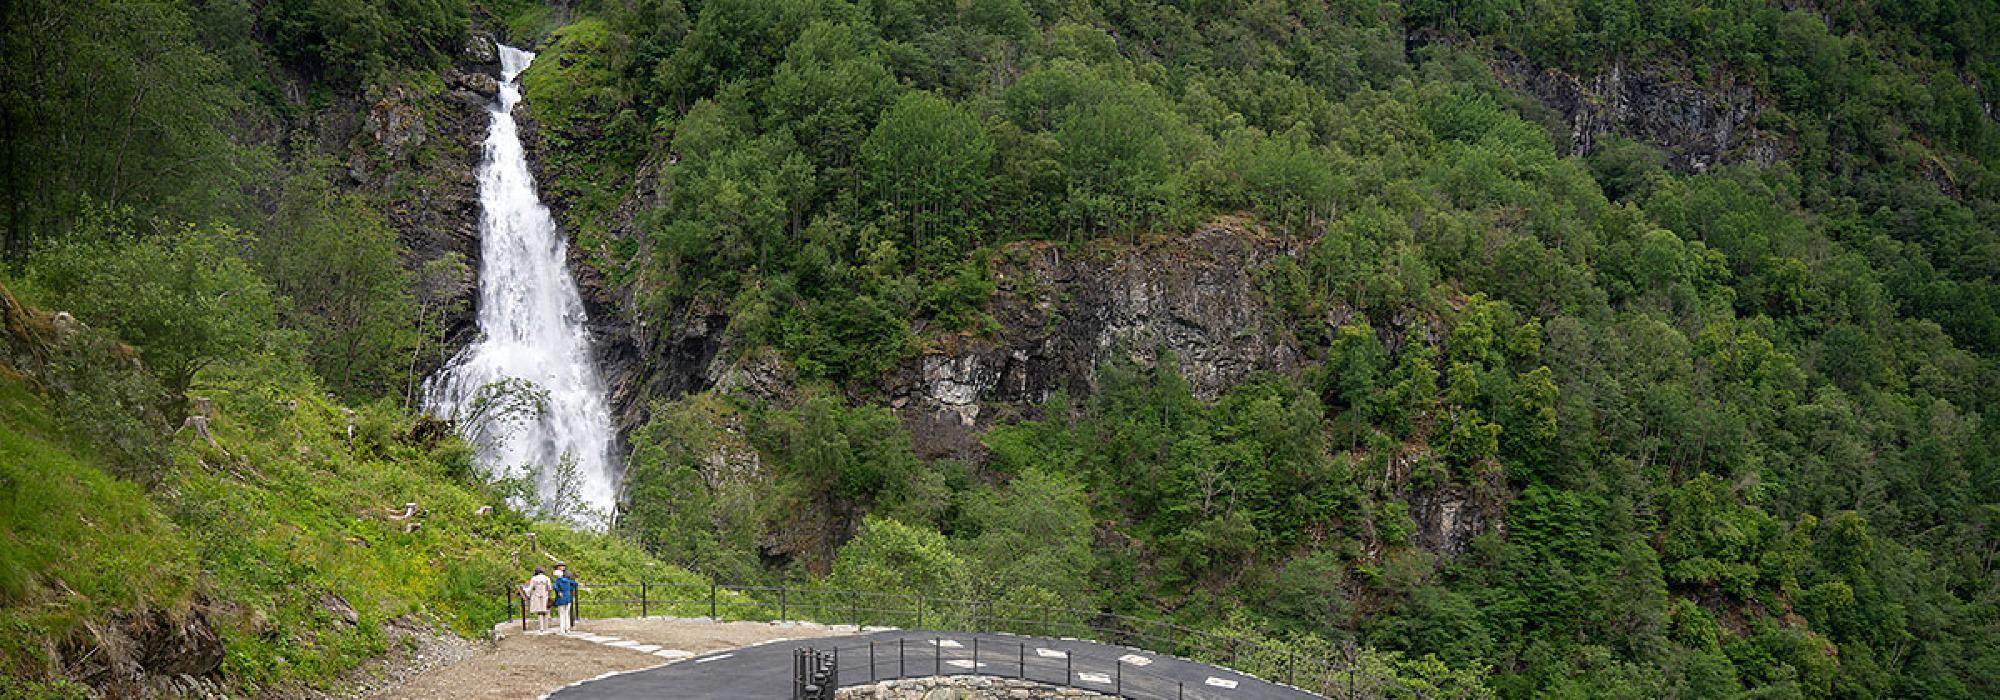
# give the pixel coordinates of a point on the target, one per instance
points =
(962, 688)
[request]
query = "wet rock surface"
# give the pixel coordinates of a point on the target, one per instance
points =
(419, 154)
(643, 359)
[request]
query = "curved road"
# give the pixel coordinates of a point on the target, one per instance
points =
(765, 671)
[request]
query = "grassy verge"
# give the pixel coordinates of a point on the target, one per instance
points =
(274, 527)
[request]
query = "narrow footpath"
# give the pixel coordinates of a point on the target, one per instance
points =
(521, 666)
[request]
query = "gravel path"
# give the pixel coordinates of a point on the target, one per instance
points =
(524, 666)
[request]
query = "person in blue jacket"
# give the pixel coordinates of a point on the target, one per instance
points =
(565, 589)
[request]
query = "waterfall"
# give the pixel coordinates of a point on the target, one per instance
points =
(534, 345)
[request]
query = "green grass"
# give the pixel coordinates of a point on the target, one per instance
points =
(75, 543)
(262, 528)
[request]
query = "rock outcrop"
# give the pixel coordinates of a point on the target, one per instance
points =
(1062, 317)
(150, 654)
(417, 151)
(1448, 518)
(1698, 126)
(643, 359)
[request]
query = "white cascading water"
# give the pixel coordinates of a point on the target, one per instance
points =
(532, 327)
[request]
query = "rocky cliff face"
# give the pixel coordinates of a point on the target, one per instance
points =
(152, 654)
(1698, 126)
(643, 359)
(1062, 317)
(416, 149)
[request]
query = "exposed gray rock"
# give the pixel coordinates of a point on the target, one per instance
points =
(339, 609)
(480, 49)
(1699, 126)
(644, 359)
(1063, 317)
(396, 123)
(1448, 519)
(151, 654)
(476, 82)
(419, 156)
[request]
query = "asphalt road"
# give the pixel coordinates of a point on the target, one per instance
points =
(765, 671)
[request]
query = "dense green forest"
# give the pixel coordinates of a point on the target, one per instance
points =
(1731, 407)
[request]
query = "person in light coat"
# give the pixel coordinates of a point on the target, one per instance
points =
(537, 594)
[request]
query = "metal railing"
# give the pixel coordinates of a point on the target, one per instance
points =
(1066, 667)
(815, 674)
(1338, 676)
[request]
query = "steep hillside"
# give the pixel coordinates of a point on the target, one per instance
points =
(1602, 349)
(1576, 348)
(272, 553)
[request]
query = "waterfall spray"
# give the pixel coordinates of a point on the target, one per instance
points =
(527, 393)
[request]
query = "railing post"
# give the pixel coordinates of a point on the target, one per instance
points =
(711, 603)
(642, 599)
(920, 612)
(523, 607)
(902, 668)
(1069, 669)
(871, 660)
(975, 656)
(937, 656)
(1119, 664)
(854, 604)
(781, 603)
(1023, 672)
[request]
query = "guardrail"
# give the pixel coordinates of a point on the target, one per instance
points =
(1065, 666)
(815, 674)
(1332, 677)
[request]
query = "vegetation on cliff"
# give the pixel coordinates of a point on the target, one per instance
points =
(1574, 411)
